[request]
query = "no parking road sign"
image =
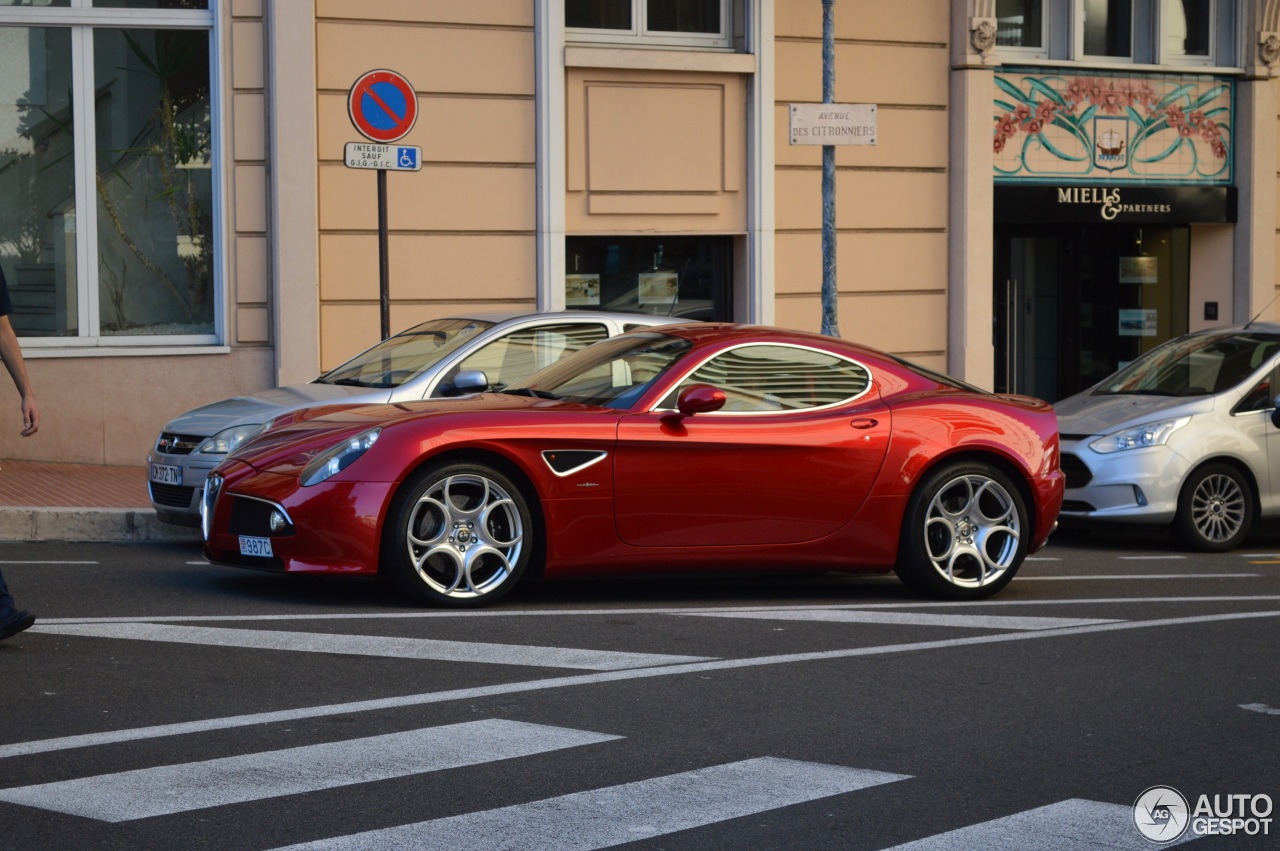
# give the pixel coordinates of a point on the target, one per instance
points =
(383, 106)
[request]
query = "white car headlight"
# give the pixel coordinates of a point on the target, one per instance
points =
(1139, 437)
(339, 458)
(229, 438)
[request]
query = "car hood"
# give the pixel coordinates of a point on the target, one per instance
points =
(1087, 414)
(262, 407)
(292, 442)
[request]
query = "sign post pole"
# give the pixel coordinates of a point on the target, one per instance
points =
(384, 266)
(383, 106)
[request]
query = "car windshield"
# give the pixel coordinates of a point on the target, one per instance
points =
(610, 374)
(400, 358)
(1196, 365)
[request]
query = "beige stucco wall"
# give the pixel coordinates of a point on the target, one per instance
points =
(462, 230)
(891, 198)
(653, 151)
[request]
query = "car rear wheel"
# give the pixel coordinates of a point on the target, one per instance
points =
(459, 534)
(964, 534)
(1215, 509)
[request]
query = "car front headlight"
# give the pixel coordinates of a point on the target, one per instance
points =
(1138, 437)
(229, 439)
(339, 458)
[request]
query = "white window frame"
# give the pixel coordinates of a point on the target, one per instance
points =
(1163, 56)
(1041, 52)
(1063, 38)
(639, 34)
(82, 19)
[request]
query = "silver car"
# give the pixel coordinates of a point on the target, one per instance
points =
(437, 359)
(1184, 435)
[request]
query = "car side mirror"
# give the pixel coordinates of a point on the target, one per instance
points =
(470, 381)
(700, 399)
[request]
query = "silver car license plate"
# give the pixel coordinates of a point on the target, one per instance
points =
(163, 474)
(255, 546)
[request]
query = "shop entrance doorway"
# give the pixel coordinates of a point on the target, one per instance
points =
(1075, 303)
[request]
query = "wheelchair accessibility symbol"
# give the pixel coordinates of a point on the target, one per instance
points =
(407, 158)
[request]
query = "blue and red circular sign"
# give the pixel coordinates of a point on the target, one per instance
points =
(383, 106)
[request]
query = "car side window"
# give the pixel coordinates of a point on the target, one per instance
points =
(516, 356)
(763, 378)
(1261, 397)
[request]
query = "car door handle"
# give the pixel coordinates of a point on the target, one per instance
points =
(864, 423)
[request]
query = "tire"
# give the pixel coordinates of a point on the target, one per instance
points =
(1215, 509)
(458, 535)
(964, 534)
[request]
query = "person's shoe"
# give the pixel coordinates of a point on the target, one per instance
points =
(15, 623)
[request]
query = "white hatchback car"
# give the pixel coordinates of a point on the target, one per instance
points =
(1187, 434)
(436, 359)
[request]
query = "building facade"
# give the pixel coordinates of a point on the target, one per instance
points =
(1056, 185)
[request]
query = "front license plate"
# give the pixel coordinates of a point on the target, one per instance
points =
(163, 474)
(255, 546)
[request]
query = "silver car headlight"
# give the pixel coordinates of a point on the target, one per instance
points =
(229, 439)
(1138, 437)
(339, 458)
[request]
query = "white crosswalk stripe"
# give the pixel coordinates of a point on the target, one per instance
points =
(1073, 825)
(168, 789)
(372, 645)
(827, 615)
(601, 818)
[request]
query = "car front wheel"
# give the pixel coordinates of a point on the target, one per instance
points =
(964, 533)
(459, 534)
(1215, 509)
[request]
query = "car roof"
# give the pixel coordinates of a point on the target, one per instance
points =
(499, 316)
(700, 332)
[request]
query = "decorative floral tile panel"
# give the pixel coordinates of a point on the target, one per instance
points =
(1113, 128)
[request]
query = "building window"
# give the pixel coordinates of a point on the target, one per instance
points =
(1108, 28)
(690, 23)
(106, 157)
(1173, 33)
(683, 276)
(1188, 30)
(1020, 25)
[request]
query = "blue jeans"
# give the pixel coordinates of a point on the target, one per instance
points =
(6, 599)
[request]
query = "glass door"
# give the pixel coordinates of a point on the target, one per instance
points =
(1074, 304)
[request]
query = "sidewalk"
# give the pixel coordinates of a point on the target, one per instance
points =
(41, 501)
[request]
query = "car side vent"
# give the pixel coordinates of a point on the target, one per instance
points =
(564, 462)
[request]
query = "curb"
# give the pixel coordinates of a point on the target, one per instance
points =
(90, 524)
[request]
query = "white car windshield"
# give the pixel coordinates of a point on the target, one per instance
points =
(611, 374)
(1196, 365)
(400, 358)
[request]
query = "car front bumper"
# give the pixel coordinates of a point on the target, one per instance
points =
(178, 502)
(1137, 485)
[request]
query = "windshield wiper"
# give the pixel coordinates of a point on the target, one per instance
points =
(1147, 393)
(350, 382)
(529, 391)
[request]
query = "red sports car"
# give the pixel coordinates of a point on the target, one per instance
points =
(691, 447)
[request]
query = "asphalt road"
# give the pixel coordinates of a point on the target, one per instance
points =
(161, 702)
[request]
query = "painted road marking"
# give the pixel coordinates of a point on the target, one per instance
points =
(370, 645)
(1073, 825)
(1260, 707)
(1166, 557)
(49, 562)
(1117, 576)
(480, 692)
(912, 619)
(168, 789)
(602, 818)
(611, 612)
